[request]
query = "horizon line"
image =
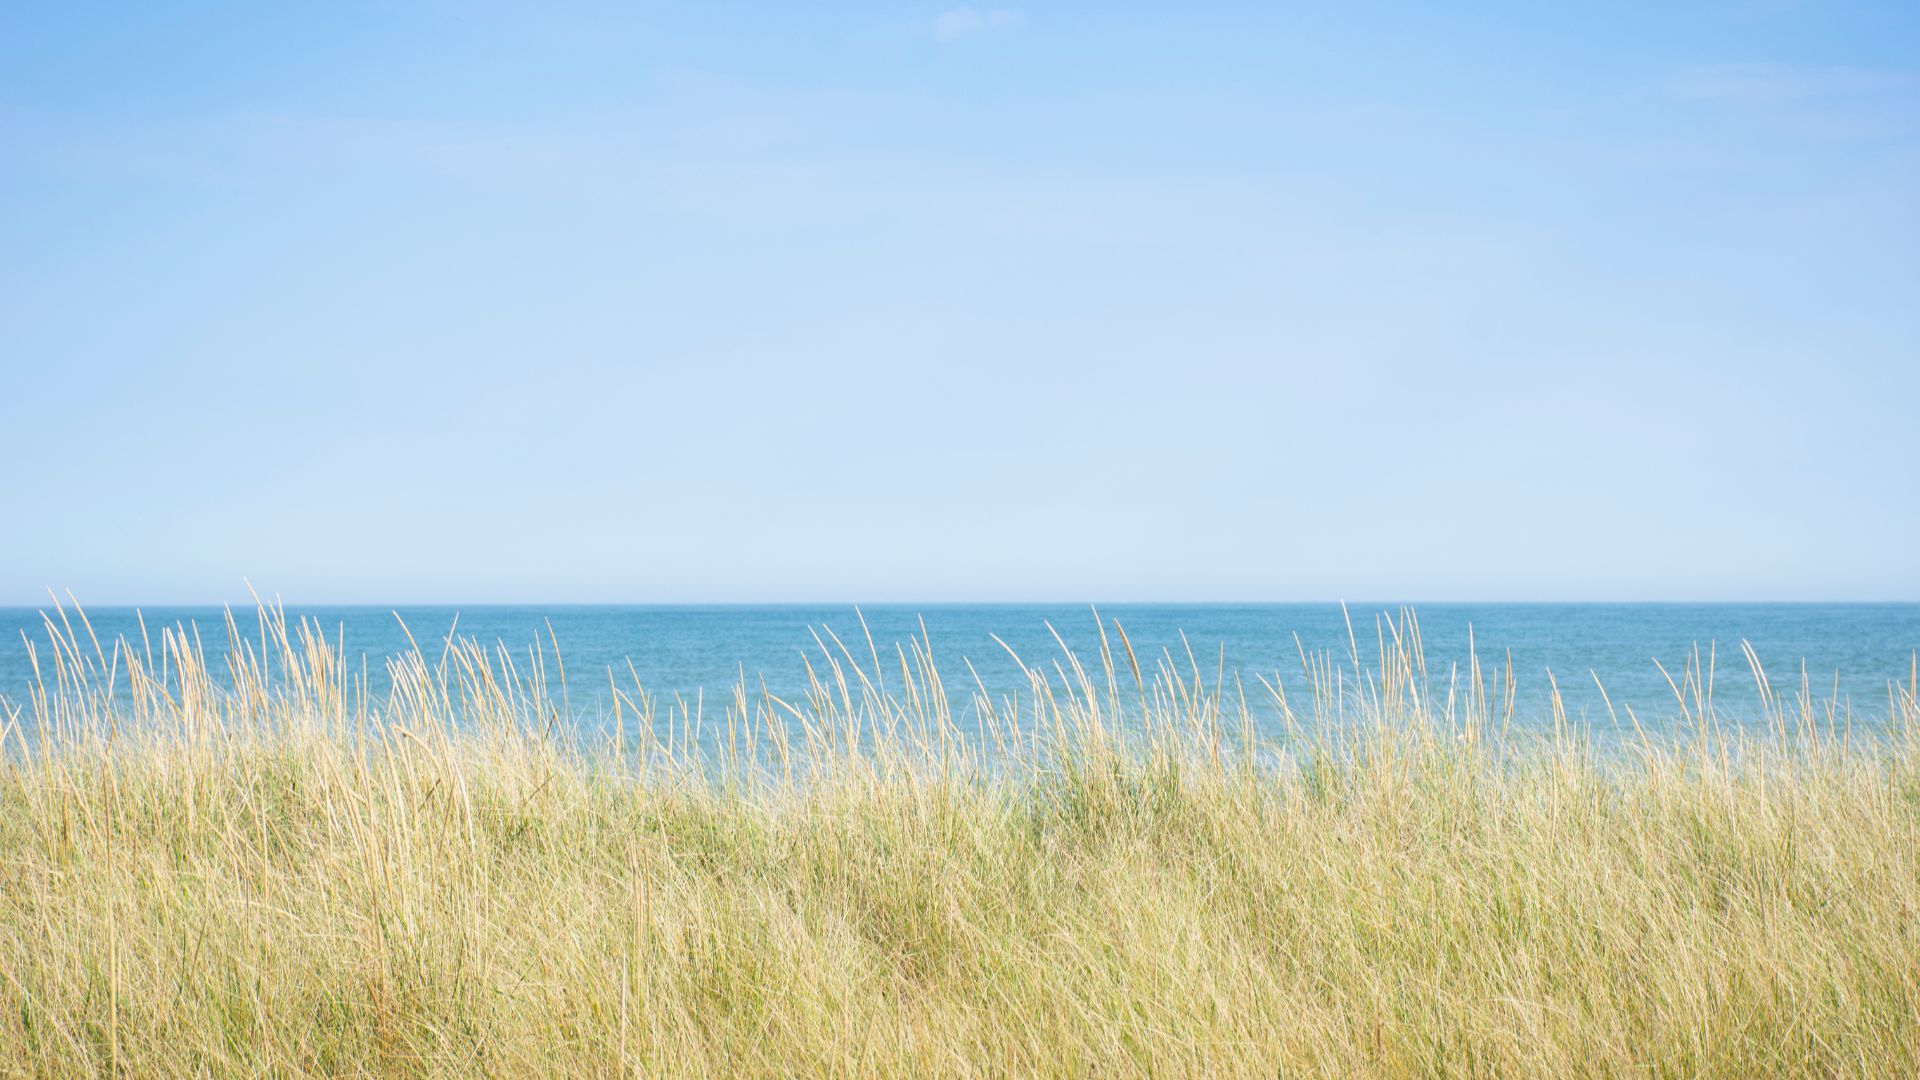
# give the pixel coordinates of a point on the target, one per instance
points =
(70, 601)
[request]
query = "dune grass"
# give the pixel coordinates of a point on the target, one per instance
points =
(265, 872)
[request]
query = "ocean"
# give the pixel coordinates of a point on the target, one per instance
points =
(698, 652)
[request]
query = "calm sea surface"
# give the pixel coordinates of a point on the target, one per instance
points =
(696, 650)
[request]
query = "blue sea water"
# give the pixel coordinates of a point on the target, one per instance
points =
(698, 652)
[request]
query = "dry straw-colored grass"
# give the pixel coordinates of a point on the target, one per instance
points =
(263, 872)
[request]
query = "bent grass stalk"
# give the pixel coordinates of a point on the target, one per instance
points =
(246, 863)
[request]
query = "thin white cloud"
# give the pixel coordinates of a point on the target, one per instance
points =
(1819, 102)
(966, 21)
(1775, 84)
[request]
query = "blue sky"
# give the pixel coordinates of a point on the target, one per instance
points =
(710, 301)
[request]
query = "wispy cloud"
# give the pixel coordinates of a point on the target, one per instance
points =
(966, 21)
(1845, 103)
(1778, 84)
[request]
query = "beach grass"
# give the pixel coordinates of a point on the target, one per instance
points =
(237, 862)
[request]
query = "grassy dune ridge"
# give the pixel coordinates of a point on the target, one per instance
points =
(267, 872)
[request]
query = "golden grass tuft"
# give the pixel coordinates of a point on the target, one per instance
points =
(268, 872)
